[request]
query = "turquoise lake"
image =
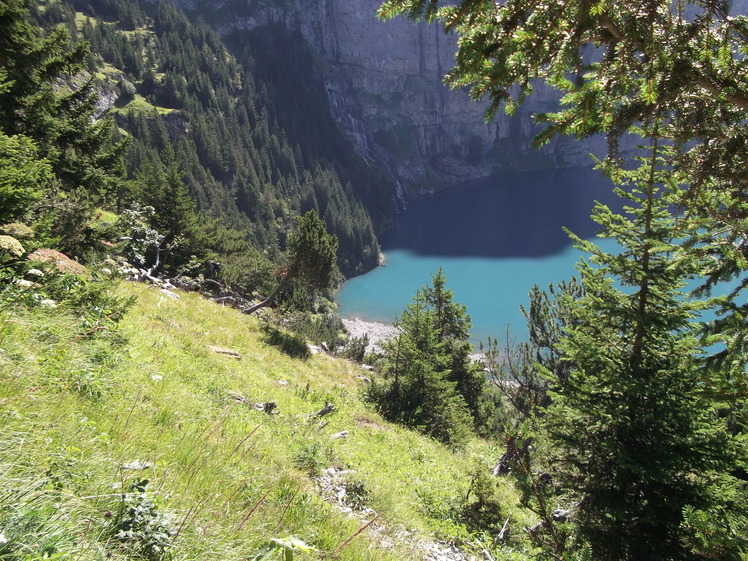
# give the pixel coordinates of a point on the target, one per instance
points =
(494, 240)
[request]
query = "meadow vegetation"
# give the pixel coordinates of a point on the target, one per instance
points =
(138, 440)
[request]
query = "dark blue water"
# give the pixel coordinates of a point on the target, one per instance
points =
(493, 238)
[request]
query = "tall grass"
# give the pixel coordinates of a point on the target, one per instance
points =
(141, 442)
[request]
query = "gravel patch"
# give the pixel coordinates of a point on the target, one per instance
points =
(378, 332)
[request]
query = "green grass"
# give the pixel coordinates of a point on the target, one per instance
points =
(138, 104)
(78, 414)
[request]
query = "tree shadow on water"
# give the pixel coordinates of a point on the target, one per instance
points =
(516, 215)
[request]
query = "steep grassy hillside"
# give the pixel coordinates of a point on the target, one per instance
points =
(143, 441)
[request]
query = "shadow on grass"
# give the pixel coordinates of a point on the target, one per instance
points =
(290, 343)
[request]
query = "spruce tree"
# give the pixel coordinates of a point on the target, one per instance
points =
(23, 177)
(311, 258)
(416, 388)
(48, 99)
(453, 324)
(635, 437)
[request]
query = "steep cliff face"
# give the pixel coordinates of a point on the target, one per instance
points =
(385, 85)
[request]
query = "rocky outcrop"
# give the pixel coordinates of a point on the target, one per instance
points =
(385, 85)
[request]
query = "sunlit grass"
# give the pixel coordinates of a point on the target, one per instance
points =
(139, 104)
(82, 421)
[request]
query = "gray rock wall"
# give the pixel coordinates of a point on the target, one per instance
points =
(385, 85)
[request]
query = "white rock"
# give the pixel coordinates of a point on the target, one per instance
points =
(137, 465)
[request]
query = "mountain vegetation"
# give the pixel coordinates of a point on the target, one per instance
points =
(139, 423)
(428, 379)
(136, 425)
(249, 135)
(644, 430)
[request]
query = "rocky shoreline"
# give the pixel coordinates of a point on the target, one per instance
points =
(377, 331)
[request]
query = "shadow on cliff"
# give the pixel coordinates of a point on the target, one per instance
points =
(513, 215)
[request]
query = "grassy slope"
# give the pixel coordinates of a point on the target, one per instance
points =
(74, 411)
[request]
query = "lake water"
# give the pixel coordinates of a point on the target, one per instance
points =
(494, 240)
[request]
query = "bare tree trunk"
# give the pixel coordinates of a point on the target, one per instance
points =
(270, 299)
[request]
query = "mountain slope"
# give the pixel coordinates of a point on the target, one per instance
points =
(247, 121)
(118, 442)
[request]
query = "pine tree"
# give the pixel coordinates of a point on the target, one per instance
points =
(681, 65)
(636, 438)
(416, 388)
(453, 325)
(162, 187)
(311, 258)
(48, 100)
(24, 177)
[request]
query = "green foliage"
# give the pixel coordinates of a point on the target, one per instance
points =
(644, 429)
(144, 531)
(354, 348)
(173, 214)
(453, 325)
(23, 177)
(310, 457)
(46, 98)
(223, 470)
(293, 344)
(317, 328)
(31, 526)
(285, 548)
(95, 307)
(311, 259)
(312, 252)
(357, 495)
(249, 123)
(138, 240)
(716, 533)
(416, 387)
(483, 509)
(631, 420)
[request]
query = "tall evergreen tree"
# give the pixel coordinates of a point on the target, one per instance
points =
(680, 66)
(162, 187)
(311, 258)
(636, 437)
(416, 388)
(453, 324)
(51, 102)
(23, 177)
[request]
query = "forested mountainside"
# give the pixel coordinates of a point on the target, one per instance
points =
(245, 119)
(385, 83)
